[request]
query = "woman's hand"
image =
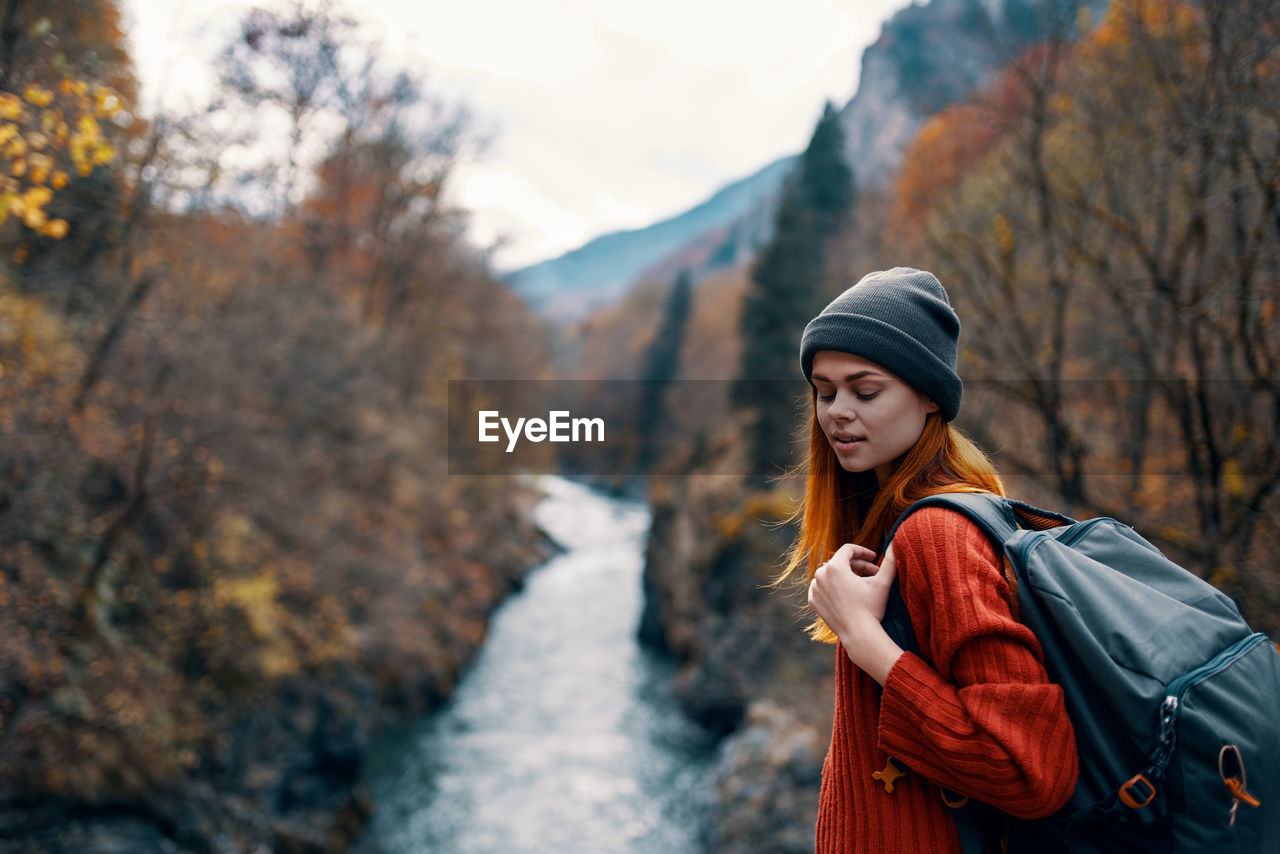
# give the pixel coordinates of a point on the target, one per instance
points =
(849, 593)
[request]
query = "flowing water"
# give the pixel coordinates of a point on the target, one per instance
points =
(561, 737)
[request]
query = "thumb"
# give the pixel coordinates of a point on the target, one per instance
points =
(888, 568)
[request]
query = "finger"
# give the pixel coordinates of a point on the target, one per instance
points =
(888, 570)
(865, 568)
(861, 552)
(850, 555)
(853, 551)
(843, 555)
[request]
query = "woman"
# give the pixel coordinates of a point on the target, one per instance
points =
(973, 712)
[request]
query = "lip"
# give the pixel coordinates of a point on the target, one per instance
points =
(846, 442)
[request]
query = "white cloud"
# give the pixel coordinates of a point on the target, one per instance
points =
(608, 113)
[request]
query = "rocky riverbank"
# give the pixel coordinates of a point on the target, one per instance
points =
(282, 772)
(747, 670)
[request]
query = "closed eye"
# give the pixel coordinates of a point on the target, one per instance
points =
(827, 398)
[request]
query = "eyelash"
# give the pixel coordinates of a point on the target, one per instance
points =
(828, 398)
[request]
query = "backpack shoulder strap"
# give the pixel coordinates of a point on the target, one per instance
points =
(998, 517)
(993, 514)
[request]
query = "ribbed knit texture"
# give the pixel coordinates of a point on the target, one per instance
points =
(973, 712)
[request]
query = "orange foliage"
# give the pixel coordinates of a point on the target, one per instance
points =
(955, 141)
(1127, 20)
(1124, 235)
(946, 147)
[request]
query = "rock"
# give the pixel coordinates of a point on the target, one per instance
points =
(748, 672)
(764, 784)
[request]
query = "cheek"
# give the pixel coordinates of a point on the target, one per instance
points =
(909, 426)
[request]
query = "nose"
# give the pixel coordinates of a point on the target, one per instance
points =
(842, 407)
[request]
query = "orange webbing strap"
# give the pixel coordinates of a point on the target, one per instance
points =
(1035, 521)
(1012, 578)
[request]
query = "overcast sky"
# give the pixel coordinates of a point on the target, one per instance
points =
(604, 114)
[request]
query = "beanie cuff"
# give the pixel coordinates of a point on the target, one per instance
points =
(891, 348)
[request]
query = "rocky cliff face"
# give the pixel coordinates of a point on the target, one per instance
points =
(931, 55)
(747, 671)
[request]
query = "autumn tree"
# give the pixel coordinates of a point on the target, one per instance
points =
(1109, 241)
(223, 495)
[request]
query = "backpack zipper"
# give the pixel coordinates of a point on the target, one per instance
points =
(1166, 738)
(1033, 538)
(1179, 686)
(1081, 528)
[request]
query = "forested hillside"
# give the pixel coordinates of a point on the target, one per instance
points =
(1103, 214)
(228, 544)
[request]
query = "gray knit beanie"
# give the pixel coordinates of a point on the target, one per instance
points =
(901, 320)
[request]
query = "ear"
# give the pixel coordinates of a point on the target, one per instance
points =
(930, 406)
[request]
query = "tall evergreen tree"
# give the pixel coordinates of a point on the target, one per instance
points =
(786, 288)
(662, 363)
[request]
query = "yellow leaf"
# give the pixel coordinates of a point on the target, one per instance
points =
(38, 96)
(37, 197)
(34, 218)
(10, 107)
(40, 166)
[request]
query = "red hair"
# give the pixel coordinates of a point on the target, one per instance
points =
(850, 507)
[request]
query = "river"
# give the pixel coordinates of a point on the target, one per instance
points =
(561, 738)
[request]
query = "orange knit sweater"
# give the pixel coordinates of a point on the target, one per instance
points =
(973, 712)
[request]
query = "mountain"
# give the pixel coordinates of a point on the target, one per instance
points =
(599, 272)
(932, 55)
(928, 56)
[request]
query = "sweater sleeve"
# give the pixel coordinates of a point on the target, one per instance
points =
(980, 717)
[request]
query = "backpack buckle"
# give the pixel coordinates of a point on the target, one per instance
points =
(1137, 792)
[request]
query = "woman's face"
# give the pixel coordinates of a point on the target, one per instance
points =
(869, 416)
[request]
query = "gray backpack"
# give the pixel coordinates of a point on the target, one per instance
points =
(1175, 701)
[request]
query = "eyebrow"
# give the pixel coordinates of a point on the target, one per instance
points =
(851, 378)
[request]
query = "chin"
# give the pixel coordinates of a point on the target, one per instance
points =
(850, 467)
